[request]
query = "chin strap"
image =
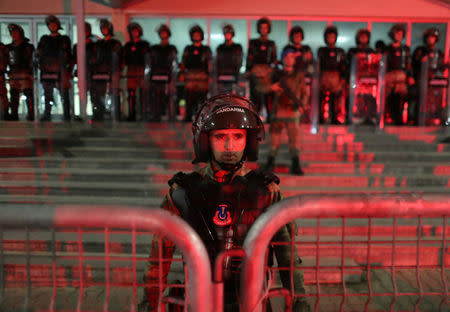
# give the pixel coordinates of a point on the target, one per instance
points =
(225, 172)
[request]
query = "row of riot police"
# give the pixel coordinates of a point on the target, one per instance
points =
(349, 86)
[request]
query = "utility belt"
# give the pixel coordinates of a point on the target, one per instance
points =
(101, 76)
(160, 77)
(50, 76)
(438, 82)
(227, 78)
(368, 80)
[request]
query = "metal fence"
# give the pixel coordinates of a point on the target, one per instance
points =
(360, 253)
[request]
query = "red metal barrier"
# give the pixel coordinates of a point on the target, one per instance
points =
(368, 254)
(96, 222)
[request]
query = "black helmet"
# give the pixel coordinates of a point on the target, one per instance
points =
(164, 27)
(396, 28)
(132, 26)
(53, 19)
(105, 23)
(88, 29)
(295, 30)
(227, 111)
(330, 30)
(360, 33)
(430, 32)
(12, 27)
(263, 20)
(195, 29)
(228, 28)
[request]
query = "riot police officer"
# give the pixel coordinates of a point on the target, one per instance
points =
(163, 64)
(436, 66)
(56, 64)
(136, 54)
(398, 75)
(3, 96)
(228, 62)
(195, 69)
(261, 59)
(106, 72)
(333, 70)
(20, 62)
(303, 54)
(222, 200)
(362, 39)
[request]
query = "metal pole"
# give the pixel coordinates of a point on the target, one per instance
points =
(81, 58)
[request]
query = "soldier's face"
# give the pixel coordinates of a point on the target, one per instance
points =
(53, 27)
(228, 145)
(364, 39)
(196, 36)
(431, 40)
(289, 59)
(105, 31)
(228, 36)
(163, 35)
(331, 38)
(264, 29)
(15, 35)
(297, 38)
(398, 36)
(135, 34)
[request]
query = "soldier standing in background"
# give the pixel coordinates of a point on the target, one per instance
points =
(261, 59)
(195, 69)
(163, 64)
(333, 71)
(136, 53)
(20, 62)
(303, 54)
(398, 75)
(56, 65)
(3, 96)
(228, 62)
(106, 71)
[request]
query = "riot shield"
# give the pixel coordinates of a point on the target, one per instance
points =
(364, 88)
(433, 107)
(315, 109)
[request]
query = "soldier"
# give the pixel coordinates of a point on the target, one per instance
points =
(3, 96)
(261, 59)
(436, 66)
(222, 200)
(362, 48)
(290, 98)
(194, 71)
(333, 70)
(136, 53)
(398, 75)
(303, 54)
(228, 62)
(163, 64)
(20, 62)
(90, 46)
(106, 71)
(56, 65)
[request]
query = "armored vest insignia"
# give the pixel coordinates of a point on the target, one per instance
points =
(222, 216)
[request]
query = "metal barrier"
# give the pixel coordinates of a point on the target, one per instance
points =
(404, 237)
(26, 250)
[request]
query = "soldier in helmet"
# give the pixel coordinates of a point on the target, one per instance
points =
(136, 54)
(163, 64)
(303, 54)
(3, 96)
(333, 70)
(362, 48)
(222, 200)
(261, 59)
(195, 69)
(56, 63)
(290, 97)
(106, 71)
(20, 62)
(436, 66)
(228, 61)
(398, 75)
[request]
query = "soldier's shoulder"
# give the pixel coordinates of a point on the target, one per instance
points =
(262, 177)
(185, 180)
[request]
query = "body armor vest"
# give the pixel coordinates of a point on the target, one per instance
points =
(331, 59)
(261, 52)
(163, 58)
(197, 58)
(229, 59)
(397, 58)
(107, 56)
(301, 60)
(54, 53)
(20, 57)
(136, 53)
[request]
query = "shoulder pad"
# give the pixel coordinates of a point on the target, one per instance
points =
(185, 180)
(262, 177)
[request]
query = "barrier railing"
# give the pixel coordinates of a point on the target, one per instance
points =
(87, 249)
(380, 253)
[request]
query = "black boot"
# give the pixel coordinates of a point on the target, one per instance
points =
(295, 167)
(66, 105)
(270, 165)
(30, 104)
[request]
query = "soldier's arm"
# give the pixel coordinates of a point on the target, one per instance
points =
(249, 64)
